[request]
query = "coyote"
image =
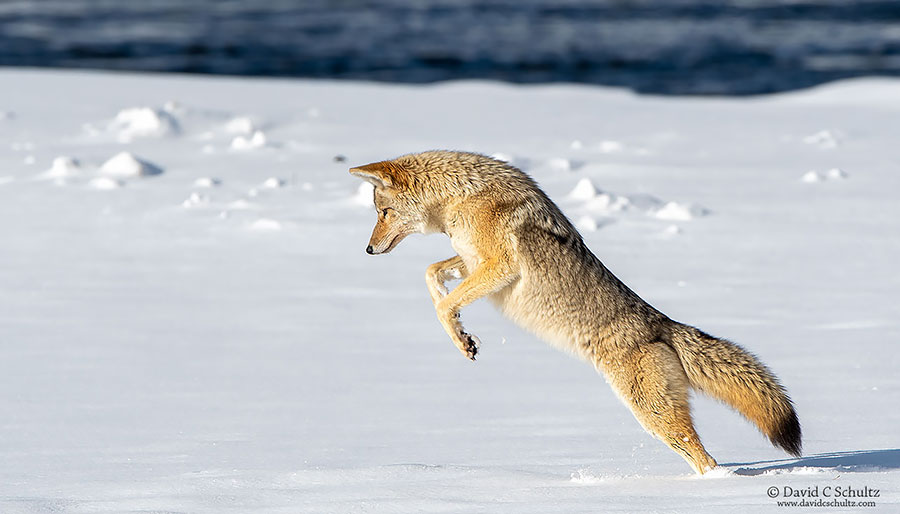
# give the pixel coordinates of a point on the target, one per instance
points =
(515, 247)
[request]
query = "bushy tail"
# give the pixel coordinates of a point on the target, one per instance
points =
(733, 375)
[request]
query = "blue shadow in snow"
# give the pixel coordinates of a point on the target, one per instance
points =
(858, 461)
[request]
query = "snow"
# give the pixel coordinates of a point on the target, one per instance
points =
(63, 167)
(836, 174)
(825, 139)
(584, 190)
(256, 140)
(273, 183)
(674, 211)
(105, 183)
(672, 230)
(127, 165)
(607, 146)
(265, 224)
(586, 224)
(207, 182)
(813, 176)
(593, 200)
(137, 122)
(364, 195)
(560, 164)
(240, 125)
(196, 200)
(246, 355)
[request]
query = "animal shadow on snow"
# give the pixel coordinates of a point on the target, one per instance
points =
(859, 461)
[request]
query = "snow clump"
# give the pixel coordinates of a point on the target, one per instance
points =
(63, 167)
(126, 165)
(257, 140)
(674, 211)
(137, 122)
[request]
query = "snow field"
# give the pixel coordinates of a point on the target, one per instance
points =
(207, 333)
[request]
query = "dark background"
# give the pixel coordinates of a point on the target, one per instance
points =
(652, 46)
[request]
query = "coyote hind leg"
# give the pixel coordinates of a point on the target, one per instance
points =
(653, 384)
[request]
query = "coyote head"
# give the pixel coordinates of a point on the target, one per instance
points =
(400, 213)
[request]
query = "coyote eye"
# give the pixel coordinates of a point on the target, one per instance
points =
(385, 211)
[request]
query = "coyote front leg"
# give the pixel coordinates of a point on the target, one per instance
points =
(489, 277)
(440, 272)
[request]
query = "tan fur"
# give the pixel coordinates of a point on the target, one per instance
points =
(516, 248)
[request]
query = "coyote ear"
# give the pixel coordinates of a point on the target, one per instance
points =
(373, 173)
(379, 174)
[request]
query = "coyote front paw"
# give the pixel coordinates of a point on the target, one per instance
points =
(467, 344)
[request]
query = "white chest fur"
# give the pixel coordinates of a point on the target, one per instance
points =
(465, 249)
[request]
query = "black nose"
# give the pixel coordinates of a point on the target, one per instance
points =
(369, 249)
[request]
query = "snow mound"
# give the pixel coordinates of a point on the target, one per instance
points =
(812, 176)
(596, 200)
(674, 211)
(672, 230)
(255, 141)
(195, 200)
(363, 196)
(584, 190)
(207, 182)
(823, 139)
(587, 202)
(127, 165)
(265, 225)
(240, 125)
(607, 202)
(63, 167)
(586, 224)
(836, 174)
(274, 183)
(105, 183)
(137, 122)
